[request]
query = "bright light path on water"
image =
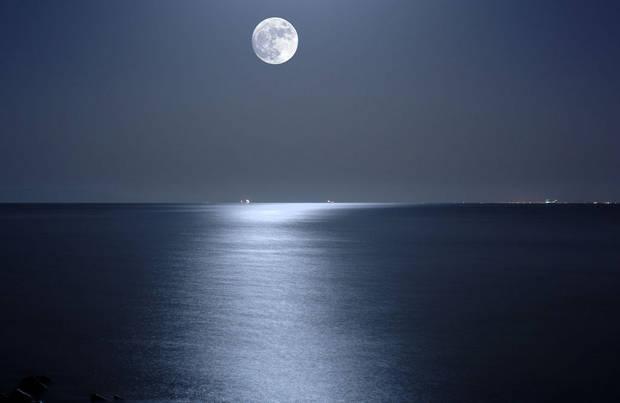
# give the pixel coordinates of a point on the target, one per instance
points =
(264, 273)
(277, 213)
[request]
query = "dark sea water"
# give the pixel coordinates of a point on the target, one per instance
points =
(313, 302)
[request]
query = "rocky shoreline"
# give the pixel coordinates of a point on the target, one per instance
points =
(32, 389)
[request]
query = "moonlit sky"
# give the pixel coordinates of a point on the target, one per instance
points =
(421, 101)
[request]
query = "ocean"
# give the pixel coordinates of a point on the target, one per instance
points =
(312, 302)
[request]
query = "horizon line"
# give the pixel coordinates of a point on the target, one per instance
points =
(533, 202)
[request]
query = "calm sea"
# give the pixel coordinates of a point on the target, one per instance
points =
(312, 302)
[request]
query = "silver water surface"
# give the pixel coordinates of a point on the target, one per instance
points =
(311, 302)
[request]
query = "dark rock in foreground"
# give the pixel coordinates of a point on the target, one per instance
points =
(29, 390)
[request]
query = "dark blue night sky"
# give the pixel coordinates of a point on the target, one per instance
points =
(418, 101)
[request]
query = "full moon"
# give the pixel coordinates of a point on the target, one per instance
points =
(274, 40)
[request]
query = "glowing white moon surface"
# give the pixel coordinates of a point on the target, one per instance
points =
(275, 40)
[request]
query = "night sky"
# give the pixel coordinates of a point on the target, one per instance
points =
(421, 101)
